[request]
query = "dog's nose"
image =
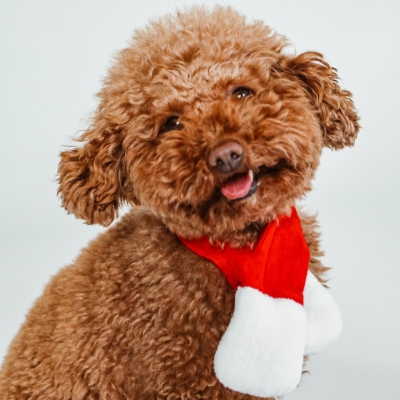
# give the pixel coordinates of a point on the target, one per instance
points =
(226, 157)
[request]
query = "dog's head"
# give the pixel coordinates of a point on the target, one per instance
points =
(205, 121)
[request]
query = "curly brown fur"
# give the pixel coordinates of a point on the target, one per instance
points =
(125, 321)
(296, 108)
(137, 315)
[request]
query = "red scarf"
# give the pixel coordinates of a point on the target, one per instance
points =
(276, 266)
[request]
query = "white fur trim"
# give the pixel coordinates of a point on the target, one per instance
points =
(324, 322)
(261, 352)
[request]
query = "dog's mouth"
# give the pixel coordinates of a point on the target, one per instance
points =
(240, 186)
(243, 185)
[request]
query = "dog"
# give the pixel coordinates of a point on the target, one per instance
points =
(212, 133)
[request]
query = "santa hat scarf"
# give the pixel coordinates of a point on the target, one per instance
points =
(262, 350)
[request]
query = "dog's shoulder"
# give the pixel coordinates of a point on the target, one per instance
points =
(136, 253)
(138, 243)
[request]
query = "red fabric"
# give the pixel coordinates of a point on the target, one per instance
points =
(277, 265)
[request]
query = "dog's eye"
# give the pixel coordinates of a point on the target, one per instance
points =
(172, 124)
(241, 92)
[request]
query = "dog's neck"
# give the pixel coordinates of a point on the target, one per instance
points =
(277, 264)
(247, 236)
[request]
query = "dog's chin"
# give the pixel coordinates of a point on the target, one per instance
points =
(238, 205)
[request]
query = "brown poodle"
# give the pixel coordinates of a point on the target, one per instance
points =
(208, 129)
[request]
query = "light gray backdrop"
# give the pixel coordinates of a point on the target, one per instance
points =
(53, 55)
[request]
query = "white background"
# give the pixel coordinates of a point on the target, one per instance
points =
(53, 55)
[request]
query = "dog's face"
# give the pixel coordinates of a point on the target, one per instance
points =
(207, 123)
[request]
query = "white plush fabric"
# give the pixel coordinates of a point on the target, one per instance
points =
(324, 323)
(261, 352)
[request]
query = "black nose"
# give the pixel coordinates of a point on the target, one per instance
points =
(226, 157)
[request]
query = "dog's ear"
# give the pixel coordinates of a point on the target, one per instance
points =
(91, 176)
(334, 106)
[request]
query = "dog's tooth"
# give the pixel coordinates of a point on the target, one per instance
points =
(251, 175)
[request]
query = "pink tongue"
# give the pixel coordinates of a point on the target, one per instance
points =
(236, 187)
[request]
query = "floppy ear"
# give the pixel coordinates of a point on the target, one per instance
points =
(334, 106)
(91, 176)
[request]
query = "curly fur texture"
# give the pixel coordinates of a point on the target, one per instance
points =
(137, 315)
